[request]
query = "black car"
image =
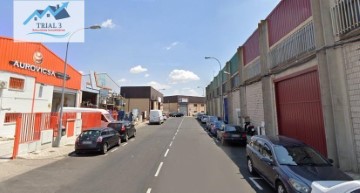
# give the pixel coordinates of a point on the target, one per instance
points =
(126, 129)
(232, 134)
(176, 114)
(97, 140)
(289, 165)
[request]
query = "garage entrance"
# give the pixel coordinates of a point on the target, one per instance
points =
(299, 110)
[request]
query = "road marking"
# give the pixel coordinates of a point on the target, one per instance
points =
(125, 144)
(114, 150)
(255, 183)
(148, 190)
(175, 133)
(173, 137)
(180, 124)
(158, 170)
(171, 144)
(167, 151)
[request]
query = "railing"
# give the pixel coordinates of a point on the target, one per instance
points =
(253, 69)
(345, 16)
(300, 42)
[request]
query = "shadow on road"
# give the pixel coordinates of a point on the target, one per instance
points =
(237, 153)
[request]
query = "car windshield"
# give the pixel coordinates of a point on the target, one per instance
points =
(213, 118)
(298, 155)
(219, 123)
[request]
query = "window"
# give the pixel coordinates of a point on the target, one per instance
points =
(356, 191)
(16, 83)
(40, 91)
(202, 105)
(11, 117)
(195, 105)
(267, 152)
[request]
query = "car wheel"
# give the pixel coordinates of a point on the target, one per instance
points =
(105, 148)
(250, 166)
(280, 188)
(126, 138)
(222, 141)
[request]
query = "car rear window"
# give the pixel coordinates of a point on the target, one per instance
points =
(234, 128)
(90, 134)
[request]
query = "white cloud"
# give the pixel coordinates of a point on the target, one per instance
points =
(182, 76)
(137, 69)
(108, 24)
(147, 75)
(122, 80)
(172, 45)
(157, 85)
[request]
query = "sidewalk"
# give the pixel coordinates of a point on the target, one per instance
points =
(24, 163)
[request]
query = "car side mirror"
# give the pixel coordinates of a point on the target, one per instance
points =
(267, 161)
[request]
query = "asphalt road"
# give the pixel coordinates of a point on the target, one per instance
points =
(175, 157)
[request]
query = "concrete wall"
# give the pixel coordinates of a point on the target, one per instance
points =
(351, 55)
(141, 104)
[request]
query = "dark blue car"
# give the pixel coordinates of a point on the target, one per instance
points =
(289, 165)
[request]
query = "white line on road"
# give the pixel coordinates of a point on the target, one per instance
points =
(148, 190)
(125, 144)
(158, 170)
(173, 137)
(180, 124)
(167, 151)
(170, 144)
(256, 184)
(114, 150)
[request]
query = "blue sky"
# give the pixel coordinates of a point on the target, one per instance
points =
(161, 43)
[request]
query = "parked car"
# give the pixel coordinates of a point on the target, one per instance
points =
(335, 186)
(289, 165)
(210, 121)
(165, 116)
(126, 129)
(215, 127)
(156, 116)
(199, 115)
(172, 114)
(204, 119)
(232, 134)
(97, 140)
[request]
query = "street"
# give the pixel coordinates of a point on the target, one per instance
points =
(177, 156)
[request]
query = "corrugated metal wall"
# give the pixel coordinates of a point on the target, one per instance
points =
(299, 109)
(286, 17)
(251, 48)
(23, 52)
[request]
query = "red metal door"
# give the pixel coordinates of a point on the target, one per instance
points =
(71, 126)
(299, 110)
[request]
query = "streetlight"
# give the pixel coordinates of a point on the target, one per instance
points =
(58, 137)
(221, 79)
(203, 89)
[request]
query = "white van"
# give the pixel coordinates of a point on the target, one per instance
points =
(156, 116)
(106, 118)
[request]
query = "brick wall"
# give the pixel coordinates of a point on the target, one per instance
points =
(254, 102)
(351, 54)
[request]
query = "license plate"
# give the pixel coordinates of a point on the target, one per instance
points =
(235, 135)
(86, 142)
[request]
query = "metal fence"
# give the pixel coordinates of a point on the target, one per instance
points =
(345, 16)
(298, 43)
